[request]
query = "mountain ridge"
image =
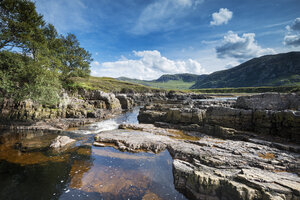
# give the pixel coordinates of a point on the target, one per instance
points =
(269, 70)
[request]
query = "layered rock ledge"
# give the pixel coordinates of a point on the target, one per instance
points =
(270, 115)
(244, 148)
(212, 168)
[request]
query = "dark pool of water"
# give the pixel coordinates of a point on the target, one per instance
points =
(29, 169)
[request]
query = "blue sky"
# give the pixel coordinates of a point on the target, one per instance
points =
(147, 38)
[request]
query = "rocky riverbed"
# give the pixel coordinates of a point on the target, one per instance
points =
(227, 149)
(221, 148)
(213, 168)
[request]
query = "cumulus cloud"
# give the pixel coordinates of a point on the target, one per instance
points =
(148, 65)
(292, 38)
(162, 15)
(221, 17)
(296, 24)
(243, 47)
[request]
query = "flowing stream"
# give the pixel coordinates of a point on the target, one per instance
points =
(29, 169)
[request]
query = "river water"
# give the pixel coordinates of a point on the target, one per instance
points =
(29, 169)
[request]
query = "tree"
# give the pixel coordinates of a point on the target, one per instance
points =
(55, 47)
(43, 59)
(76, 60)
(21, 26)
(23, 78)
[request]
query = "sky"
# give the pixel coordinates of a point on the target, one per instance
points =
(145, 39)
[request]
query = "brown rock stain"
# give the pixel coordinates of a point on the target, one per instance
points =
(268, 156)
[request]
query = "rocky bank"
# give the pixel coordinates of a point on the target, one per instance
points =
(244, 148)
(270, 115)
(222, 148)
(73, 110)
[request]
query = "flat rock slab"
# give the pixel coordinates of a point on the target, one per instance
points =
(211, 168)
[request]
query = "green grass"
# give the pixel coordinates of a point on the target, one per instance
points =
(113, 85)
(108, 85)
(169, 85)
(283, 89)
(172, 84)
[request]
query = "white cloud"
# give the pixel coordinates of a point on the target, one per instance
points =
(243, 47)
(296, 24)
(292, 38)
(162, 15)
(221, 17)
(149, 65)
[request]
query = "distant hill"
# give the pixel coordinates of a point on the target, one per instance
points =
(272, 70)
(176, 77)
(168, 81)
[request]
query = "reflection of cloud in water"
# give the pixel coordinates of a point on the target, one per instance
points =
(111, 183)
(123, 175)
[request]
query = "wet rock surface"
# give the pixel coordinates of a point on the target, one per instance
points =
(211, 168)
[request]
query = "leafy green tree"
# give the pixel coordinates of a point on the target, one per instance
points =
(76, 60)
(23, 78)
(46, 60)
(55, 47)
(21, 26)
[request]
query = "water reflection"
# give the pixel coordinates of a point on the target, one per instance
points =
(122, 175)
(29, 169)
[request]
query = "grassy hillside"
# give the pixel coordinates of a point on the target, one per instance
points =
(114, 85)
(108, 85)
(272, 70)
(185, 77)
(171, 84)
(283, 89)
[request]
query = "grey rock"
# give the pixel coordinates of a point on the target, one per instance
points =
(211, 168)
(269, 101)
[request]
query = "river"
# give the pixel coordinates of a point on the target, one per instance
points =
(29, 169)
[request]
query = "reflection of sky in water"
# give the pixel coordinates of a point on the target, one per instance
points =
(122, 175)
(30, 170)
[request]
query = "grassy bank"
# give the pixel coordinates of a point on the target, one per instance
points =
(108, 85)
(282, 89)
(113, 85)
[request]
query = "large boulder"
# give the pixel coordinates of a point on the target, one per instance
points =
(185, 116)
(126, 102)
(151, 116)
(229, 117)
(269, 101)
(110, 99)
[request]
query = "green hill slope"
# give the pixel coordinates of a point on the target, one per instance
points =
(176, 81)
(108, 85)
(271, 70)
